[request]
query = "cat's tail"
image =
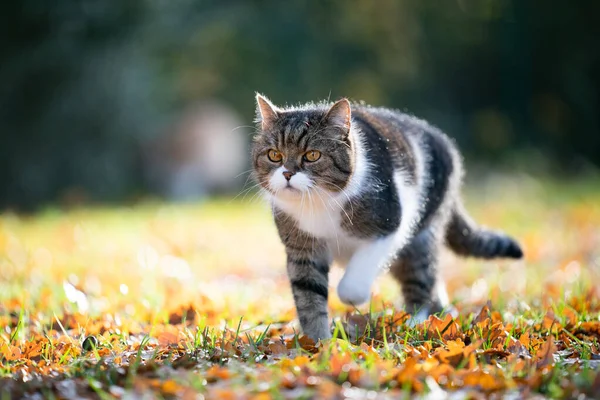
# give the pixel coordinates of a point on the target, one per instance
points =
(465, 238)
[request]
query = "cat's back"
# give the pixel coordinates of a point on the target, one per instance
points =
(390, 135)
(402, 137)
(392, 124)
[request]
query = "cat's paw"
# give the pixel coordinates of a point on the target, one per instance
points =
(353, 292)
(419, 317)
(423, 313)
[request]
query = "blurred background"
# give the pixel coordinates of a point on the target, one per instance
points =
(105, 101)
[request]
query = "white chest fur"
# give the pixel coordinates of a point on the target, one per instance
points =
(316, 216)
(321, 215)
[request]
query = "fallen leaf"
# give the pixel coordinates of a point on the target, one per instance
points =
(277, 348)
(545, 354)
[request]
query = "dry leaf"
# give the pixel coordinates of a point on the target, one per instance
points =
(545, 354)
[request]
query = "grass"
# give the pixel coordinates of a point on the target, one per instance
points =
(192, 299)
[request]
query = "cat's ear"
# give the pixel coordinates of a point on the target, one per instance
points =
(266, 112)
(340, 115)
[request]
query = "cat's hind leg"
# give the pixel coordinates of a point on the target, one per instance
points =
(416, 270)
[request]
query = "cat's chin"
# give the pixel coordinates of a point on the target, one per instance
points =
(289, 193)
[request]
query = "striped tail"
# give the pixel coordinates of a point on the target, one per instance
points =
(465, 238)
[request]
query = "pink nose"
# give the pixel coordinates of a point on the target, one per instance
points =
(288, 174)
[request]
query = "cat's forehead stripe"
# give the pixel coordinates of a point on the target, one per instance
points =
(295, 129)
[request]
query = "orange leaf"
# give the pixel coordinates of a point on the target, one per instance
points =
(170, 387)
(339, 362)
(10, 352)
(262, 396)
(525, 340)
(516, 347)
(447, 328)
(545, 354)
(33, 349)
(408, 374)
(496, 316)
(294, 362)
(550, 322)
(483, 314)
(570, 315)
(305, 343)
(167, 338)
(484, 380)
(454, 354)
(277, 348)
(216, 373)
(222, 394)
(592, 327)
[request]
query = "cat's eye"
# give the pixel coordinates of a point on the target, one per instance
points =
(274, 155)
(312, 156)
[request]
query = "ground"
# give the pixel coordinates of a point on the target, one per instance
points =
(191, 301)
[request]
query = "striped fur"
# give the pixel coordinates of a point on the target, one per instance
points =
(384, 194)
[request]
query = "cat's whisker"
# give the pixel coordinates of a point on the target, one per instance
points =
(342, 191)
(310, 204)
(244, 192)
(312, 219)
(302, 206)
(257, 195)
(247, 179)
(337, 202)
(244, 126)
(325, 204)
(308, 189)
(243, 173)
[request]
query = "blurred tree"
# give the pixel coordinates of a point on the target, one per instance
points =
(83, 83)
(71, 99)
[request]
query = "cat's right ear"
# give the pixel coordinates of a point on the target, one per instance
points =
(266, 112)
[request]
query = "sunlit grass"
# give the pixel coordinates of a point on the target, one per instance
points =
(201, 289)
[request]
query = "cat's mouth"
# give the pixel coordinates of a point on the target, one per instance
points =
(290, 186)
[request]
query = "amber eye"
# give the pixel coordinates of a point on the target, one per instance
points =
(275, 156)
(312, 156)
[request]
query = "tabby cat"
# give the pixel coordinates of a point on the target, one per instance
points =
(372, 189)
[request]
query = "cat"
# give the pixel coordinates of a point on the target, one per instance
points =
(372, 189)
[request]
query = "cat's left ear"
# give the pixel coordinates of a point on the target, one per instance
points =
(340, 115)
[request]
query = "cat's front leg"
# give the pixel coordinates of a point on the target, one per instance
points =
(309, 277)
(363, 268)
(308, 260)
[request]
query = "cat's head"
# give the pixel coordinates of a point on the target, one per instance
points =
(300, 150)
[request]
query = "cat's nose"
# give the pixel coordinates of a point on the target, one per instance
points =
(288, 175)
